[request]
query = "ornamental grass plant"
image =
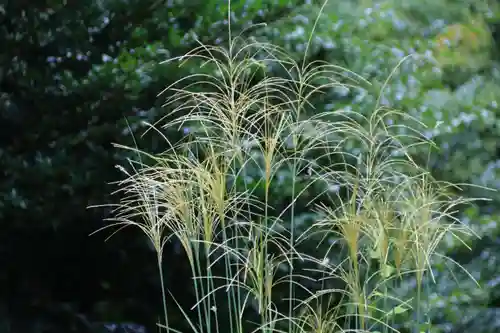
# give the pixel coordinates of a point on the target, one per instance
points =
(378, 216)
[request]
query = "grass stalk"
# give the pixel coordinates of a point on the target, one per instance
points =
(384, 219)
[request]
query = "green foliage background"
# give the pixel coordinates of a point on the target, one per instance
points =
(76, 76)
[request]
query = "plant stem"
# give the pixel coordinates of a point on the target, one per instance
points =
(163, 291)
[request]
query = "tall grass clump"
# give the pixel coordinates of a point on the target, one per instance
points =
(379, 217)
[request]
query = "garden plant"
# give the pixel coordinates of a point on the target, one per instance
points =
(377, 216)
